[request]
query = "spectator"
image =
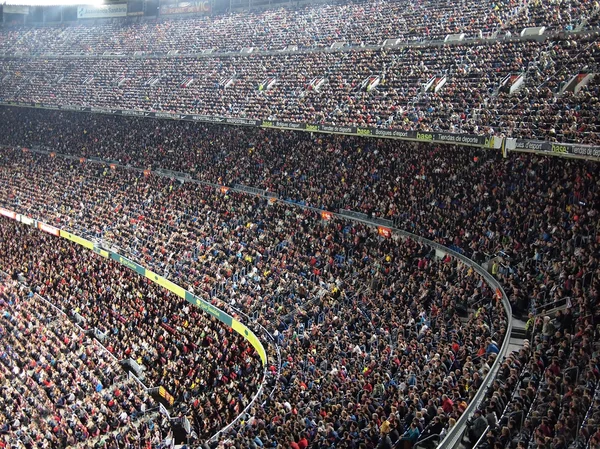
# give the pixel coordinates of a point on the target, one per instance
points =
(478, 427)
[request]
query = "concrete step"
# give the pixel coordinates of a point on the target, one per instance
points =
(518, 334)
(518, 330)
(518, 324)
(514, 345)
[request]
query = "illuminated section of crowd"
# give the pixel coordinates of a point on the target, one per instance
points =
(374, 88)
(313, 26)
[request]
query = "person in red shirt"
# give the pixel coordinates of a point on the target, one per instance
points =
(303, 443)
(447, 404)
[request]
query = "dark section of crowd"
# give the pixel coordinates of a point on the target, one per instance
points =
(375, 88)
(315, 26)
(371, 338)
(538, 214)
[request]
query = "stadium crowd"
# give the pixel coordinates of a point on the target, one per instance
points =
(548, 248)
(421, 188)
(60, 387)
(316, 26)
(346, 369)
(536, 110)
(547, 395)
(198, 361)
(380, 344)
(382, 88)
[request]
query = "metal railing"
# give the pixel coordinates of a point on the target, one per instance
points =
(482, 436)
(419, 444)
(453, 437)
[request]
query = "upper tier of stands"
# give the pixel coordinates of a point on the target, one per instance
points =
(357, 23)
(395, 88)
(376, 88)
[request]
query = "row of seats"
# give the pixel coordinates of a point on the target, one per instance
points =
(384, 89)
(317, 26)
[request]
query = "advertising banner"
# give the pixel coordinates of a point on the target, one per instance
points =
(163, 282)
(25, 220)
(249, 335)
(582, 150)
(532, 145)
(101, 11)
(186, 8)
(8, 213)
(278, 124)
(557, 148)
(128, 263)
(202, 118)
(16, 9)
(49, 229)
(242, 121)
(74, 238)
(209, 308)
(434, 137)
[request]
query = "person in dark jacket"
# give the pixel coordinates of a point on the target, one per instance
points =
(491, 417)
(385, 442)
(477, 427)
(434, 428)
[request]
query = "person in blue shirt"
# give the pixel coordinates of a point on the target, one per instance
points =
(412, 434)
(491, 347)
